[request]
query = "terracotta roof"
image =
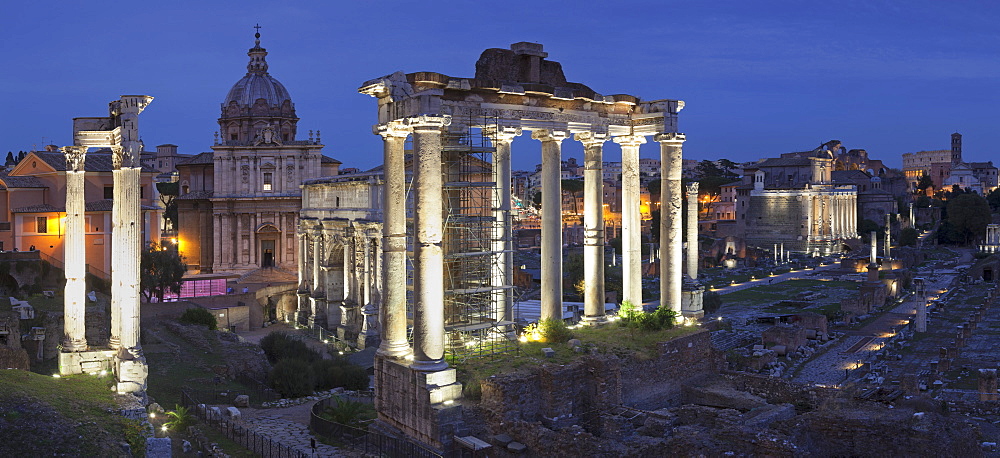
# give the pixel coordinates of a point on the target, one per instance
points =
(785, 162)
(95, 161)
(103, 205)
(330, 160)
(201, 158)
(13, 181)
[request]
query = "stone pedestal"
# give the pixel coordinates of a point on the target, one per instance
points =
(920, 321)
(316, 313)
(86, 362)
(692, 300)
(302, 311)
(420, 404)
(988, 385)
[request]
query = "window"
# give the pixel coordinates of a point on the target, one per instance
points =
(142, 192)
(42, 224)
(109, 192)
(268, 180)
(5, 226)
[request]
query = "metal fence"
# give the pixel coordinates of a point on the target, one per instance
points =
(245, 437)
(362, 440)
(259, 391)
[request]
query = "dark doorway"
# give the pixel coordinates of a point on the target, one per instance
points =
(267, 247)
(987, 274)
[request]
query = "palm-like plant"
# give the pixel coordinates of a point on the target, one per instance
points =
(180, 418)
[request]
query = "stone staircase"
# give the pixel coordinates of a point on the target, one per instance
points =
(272, 275)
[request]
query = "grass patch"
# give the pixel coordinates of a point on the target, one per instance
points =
(613, 339)
(170, 373)
(82, 402)
(768, 294)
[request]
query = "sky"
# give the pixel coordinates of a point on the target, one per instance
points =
(758, 78)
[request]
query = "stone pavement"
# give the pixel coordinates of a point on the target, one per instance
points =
(292, 434)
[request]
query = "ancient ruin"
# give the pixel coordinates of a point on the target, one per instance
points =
(513, 90)
(119, 132)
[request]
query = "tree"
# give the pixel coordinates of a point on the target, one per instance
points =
(573, 187)
(993, 199)
(924, 183)
(537, 200)
(168, 192)
(968, 214)
(908, 236)
(162, 270)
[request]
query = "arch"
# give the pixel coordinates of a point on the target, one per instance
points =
(266, 228)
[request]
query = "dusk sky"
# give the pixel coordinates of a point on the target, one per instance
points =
(759, 78)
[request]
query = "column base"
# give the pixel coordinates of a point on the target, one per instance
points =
(74, 345)
(131, 371)
(419, 404)
(86, 362)
(599, 320)
(395, 350)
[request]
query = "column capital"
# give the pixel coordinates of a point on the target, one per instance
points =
(391, 129)
(120, 157)
(549, 135)
(630, 140)
(75, 156)
(428, 122)
(670, 137)
(591, 138)
(504, 134)
(692, 188)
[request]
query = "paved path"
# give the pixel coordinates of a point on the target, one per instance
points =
(798, 274)
(290, 433)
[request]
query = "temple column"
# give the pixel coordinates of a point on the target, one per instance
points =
(393, 312)
(75, 246)
(631, 220)
(888, 238)
(913, 223)
(593, 225)
(692, 231)
(317, 311)
(551, 260)
(302, 304)
(428, 278)
(671, 234)
(503, 247)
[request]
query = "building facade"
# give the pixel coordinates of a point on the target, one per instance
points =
(239, 204)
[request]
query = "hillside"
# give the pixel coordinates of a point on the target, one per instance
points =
(74, 416)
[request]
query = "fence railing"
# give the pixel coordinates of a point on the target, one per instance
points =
(363, 440)
(259, 391)
(251, 440)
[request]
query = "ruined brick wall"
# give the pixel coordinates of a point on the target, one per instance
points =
(778, 391)
(657, 383)
(792, 336)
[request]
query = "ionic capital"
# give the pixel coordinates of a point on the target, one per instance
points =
(670, 137)
(502, 134)
(75, 156)
(549, 135)
(630, 140)
(591, 138)
(428, 122)
(692, 188)
(391, 129)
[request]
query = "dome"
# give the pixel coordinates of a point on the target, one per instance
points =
(257, 84)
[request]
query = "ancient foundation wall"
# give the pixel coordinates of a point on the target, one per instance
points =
(657, 383)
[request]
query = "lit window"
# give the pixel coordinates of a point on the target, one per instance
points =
(267, 181)
(42, 224)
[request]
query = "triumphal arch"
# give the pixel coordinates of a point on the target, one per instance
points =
(514, 91)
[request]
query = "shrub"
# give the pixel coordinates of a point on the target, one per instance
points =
(347, 412)
(279, 346)
(292, 378)
(198, 315)
(711, 302)
(333, 373)
(554, 331)
(661, 318)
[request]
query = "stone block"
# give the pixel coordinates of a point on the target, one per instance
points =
(517, 447)
(437, 378)
(234, 414)
(502, 439)
(242, 401)
(214, 413)
(154, 408)
(573, 343)
(158, 447)
(445, 393)
(548, 352)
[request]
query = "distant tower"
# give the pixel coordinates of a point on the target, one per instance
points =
(956, 148)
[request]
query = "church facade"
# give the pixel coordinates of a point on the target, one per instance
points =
(239, 204)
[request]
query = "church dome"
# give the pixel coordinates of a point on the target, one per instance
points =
(257, 84)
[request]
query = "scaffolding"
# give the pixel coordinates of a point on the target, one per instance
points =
(478, 299)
